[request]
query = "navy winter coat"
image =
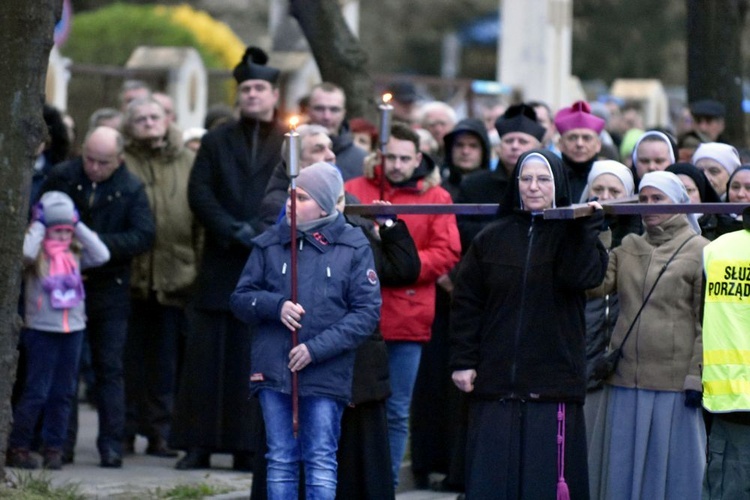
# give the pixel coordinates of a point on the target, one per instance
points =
(118, 211)
(340, 291)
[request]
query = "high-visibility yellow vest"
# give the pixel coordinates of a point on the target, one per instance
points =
(726, 324)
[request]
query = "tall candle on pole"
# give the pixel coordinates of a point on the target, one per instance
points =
(293, 152)
(386, 110)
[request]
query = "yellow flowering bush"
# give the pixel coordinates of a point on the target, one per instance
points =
(110, 34)
(214, 36)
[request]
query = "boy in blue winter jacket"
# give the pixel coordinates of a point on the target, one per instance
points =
(338, 308)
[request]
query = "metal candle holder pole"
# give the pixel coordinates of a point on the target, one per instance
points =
(386, 110)
(293, 152)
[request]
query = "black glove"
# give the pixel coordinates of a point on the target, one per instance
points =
(693, 399)
(243, 233)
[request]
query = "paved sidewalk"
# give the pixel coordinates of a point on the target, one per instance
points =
(143, 477)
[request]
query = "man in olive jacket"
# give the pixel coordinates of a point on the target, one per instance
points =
(162, 278)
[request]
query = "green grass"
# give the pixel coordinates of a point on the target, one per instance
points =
(27, 485)
(191, 491)
(37, 485)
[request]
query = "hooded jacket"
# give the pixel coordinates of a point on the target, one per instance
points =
(408, 311)
(337, 286)
(517, 312)
(170, 267)
(451, 174)
(349, 157)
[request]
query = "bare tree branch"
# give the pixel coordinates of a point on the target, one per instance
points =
(339, 54)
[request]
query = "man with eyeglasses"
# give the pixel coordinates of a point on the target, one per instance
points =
(408, 311)
(328, 108)
(438, 118)
(162, 278)
(314, 146)
(519, 132)
(579, 143)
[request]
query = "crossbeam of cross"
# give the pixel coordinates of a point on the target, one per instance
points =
(618, 207)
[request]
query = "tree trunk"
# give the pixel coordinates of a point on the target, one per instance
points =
(338, 53)
(26, 29)
(715, 59)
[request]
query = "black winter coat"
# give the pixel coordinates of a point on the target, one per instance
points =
(578, 175)
(482, 187)
(349, 158)
(225, 191)
(397, 264)
(275, 196)
(118, 211)
(517, 312)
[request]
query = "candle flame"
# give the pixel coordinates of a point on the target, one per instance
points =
(293, 122)
(387, 98)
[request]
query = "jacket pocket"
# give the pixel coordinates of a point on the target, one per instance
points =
(180, 276)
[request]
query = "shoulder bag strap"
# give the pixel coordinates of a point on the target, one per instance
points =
(648, 296)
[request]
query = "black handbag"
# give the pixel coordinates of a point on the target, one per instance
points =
(606, 365)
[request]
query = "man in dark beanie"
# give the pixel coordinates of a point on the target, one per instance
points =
(519, 132)
(579, 143)
(212, 411)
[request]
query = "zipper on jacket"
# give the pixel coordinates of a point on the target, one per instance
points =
(517, 339)
(92, 195)
(254, 147)
(607, 319)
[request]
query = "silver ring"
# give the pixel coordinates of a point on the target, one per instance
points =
(289, 317)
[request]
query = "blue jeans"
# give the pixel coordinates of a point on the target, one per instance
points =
(51, 371)
(316, 445)
(403, 364)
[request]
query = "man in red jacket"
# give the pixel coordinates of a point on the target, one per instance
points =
(407, 312)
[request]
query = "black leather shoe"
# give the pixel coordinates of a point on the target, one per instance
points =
(242, 461)
(128, 446)
(421, 481)
(194, 459)
(111, 460)
(157, 447)
(445, 486)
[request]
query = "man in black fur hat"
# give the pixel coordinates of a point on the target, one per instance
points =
(212, 412)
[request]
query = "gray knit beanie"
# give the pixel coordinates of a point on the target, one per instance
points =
(59, 209)
(323, 183)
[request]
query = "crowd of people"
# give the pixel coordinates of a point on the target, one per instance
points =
(158, 272)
